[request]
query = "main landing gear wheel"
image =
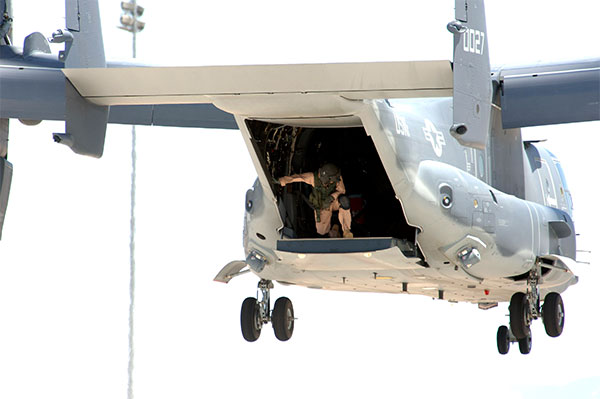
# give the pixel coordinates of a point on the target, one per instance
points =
(257, 312)
(519, 315)
(503, 340)
(553, 314)
(250, 320)
(283, 319)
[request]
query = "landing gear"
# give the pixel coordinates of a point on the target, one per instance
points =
(524, 308)
(505, 337)
(256, 313)
(282, 319)
(525, 345)
(503, 340)
(553, 314)
(250, 320)
(520, 319)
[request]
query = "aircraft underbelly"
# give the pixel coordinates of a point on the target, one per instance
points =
(388, 271)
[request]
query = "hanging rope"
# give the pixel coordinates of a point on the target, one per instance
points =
(131, 267)
(132, 247)
(132, 25)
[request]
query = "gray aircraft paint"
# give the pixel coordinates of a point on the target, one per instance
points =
(496, 216)
(6, 168)
(472, 95)
(565, 92)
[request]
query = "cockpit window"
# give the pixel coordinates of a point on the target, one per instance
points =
(562, 175)
(564, 184)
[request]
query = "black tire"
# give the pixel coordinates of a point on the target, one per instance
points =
(250, 320)
(518, 308)
(282, 319)
(525, 345)
(503, 340)
(553, 314)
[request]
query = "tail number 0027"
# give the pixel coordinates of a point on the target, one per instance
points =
(473, 41)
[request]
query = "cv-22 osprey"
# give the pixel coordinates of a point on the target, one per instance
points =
(447, 200)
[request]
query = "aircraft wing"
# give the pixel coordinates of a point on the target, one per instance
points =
(549, 94)
(215, 84)
(88, 98)
(31, 92)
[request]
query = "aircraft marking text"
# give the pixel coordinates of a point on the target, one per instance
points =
(401, 126)
(473, 41)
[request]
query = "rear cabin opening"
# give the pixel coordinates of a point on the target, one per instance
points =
(286, 150)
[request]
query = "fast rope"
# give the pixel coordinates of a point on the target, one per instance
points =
(131, 267)
(132, 239)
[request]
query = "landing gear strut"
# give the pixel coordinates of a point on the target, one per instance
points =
(524, 308)
(256, 313)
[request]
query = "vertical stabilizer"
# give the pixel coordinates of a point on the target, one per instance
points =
(83, 22)
(5, 22)
(6, 167)
(84, 48)
(472, 77)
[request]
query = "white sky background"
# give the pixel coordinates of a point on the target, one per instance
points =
(65, 265)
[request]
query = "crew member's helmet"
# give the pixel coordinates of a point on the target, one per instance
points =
(329, 173)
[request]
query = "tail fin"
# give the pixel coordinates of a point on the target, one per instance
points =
(83, 22)
(472, 77)
(5, 22)
(6, 167)
(85, 122)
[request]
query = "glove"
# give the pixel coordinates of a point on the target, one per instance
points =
(344, 202)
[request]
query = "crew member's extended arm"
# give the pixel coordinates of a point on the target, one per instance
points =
(308, 178)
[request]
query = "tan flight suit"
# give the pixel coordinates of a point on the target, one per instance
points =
(324, 226)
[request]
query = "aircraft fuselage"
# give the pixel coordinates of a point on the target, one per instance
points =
(472, 242)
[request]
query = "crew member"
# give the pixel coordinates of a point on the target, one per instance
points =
(326, 197)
